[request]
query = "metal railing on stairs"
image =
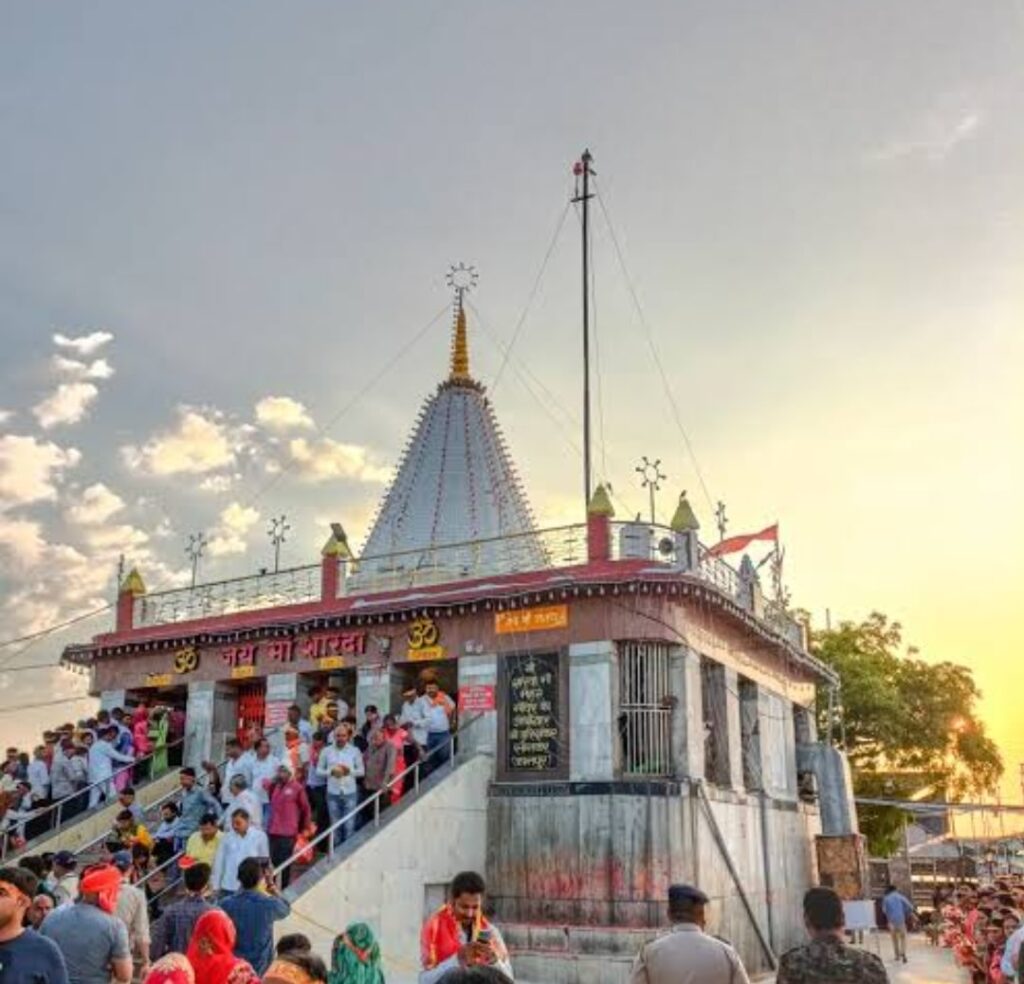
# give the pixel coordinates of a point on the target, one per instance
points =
(57, 813)
(448, 755)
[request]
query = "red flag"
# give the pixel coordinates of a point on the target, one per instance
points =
(736, 543)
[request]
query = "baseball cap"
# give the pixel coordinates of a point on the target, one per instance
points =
(122, 860)
(687, 893)
(65, 859)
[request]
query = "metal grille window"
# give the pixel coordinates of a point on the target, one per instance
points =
(645, 709)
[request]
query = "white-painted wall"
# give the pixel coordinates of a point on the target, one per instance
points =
(383, 882)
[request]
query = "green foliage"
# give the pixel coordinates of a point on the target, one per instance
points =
(908, 726)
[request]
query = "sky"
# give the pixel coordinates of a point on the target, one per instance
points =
(224, 232)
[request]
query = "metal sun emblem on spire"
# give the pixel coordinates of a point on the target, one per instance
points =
(462, 279)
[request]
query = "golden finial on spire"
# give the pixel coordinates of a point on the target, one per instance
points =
(461, 279)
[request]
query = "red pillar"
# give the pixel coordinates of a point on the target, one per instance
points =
(599, 526)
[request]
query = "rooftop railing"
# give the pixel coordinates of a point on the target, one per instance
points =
(548, 549)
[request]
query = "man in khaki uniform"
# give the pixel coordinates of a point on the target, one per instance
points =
(687, 955)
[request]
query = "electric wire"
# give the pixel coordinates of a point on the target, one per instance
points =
(530, 297)
(49, 630)
(649, 335)
(323, 429)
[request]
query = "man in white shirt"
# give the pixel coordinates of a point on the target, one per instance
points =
(240, 796)
(413, 717)
(438, 709)
(264, 769)
(239, 763)
(102, 756)
(240, 842)
(342, 764)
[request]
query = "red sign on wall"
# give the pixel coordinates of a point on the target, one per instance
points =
(476, 697)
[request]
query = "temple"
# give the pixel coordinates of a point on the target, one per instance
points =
(633, 711)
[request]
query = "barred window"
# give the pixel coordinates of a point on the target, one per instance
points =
(645, 709)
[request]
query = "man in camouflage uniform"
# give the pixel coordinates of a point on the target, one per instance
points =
(827, 959)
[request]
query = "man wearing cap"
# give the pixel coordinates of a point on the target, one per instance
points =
(93, 941)
(25, 956)
(66, 889)
(687, 955)
(132, 911)
(828, 957)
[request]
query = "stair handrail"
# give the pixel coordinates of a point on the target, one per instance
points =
(170, 795)
(59, 805)
(448, 744)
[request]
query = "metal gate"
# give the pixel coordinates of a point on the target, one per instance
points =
(252, 705)
(645, 709)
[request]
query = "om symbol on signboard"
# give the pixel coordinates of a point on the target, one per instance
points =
(186, 660)
(423, 633)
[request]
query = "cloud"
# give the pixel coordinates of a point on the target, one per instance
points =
(68, 405)
(282, 413)
(97, 369)
(325, 459)
(229, 535)
(22, 541)
(952, 121)
(217, 483)
(30, 469)
(95, 505)
(83, 344)
(199, 442)
(6, 415)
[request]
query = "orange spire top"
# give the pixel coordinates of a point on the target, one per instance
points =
(460, 348)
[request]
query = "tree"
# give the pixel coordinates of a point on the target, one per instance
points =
(907, 726)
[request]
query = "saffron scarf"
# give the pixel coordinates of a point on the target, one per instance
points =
(211, 952)
(442, 938)
(355, 957)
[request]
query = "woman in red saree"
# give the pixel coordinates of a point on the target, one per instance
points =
(211, 952)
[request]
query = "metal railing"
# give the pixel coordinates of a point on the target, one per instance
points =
(60, 807)
(288, 587)
(374, 801)
(169, 796)
(535, 550)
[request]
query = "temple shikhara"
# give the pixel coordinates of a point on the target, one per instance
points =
(633, 711)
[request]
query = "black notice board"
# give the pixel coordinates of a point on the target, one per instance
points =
(533, 719)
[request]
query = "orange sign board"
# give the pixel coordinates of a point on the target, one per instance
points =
(532, 619)
(242, 672)
(331, 662)
(426, 653)
(159, 679)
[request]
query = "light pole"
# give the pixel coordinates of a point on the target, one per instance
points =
(652, 478)
(196, 545)
(276, 531)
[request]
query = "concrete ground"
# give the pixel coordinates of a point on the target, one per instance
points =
(926, 964)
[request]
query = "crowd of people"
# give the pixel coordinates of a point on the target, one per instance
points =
(82, 766)
(61, 927)
(982, 926)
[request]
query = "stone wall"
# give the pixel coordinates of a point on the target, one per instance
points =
(604, 856)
